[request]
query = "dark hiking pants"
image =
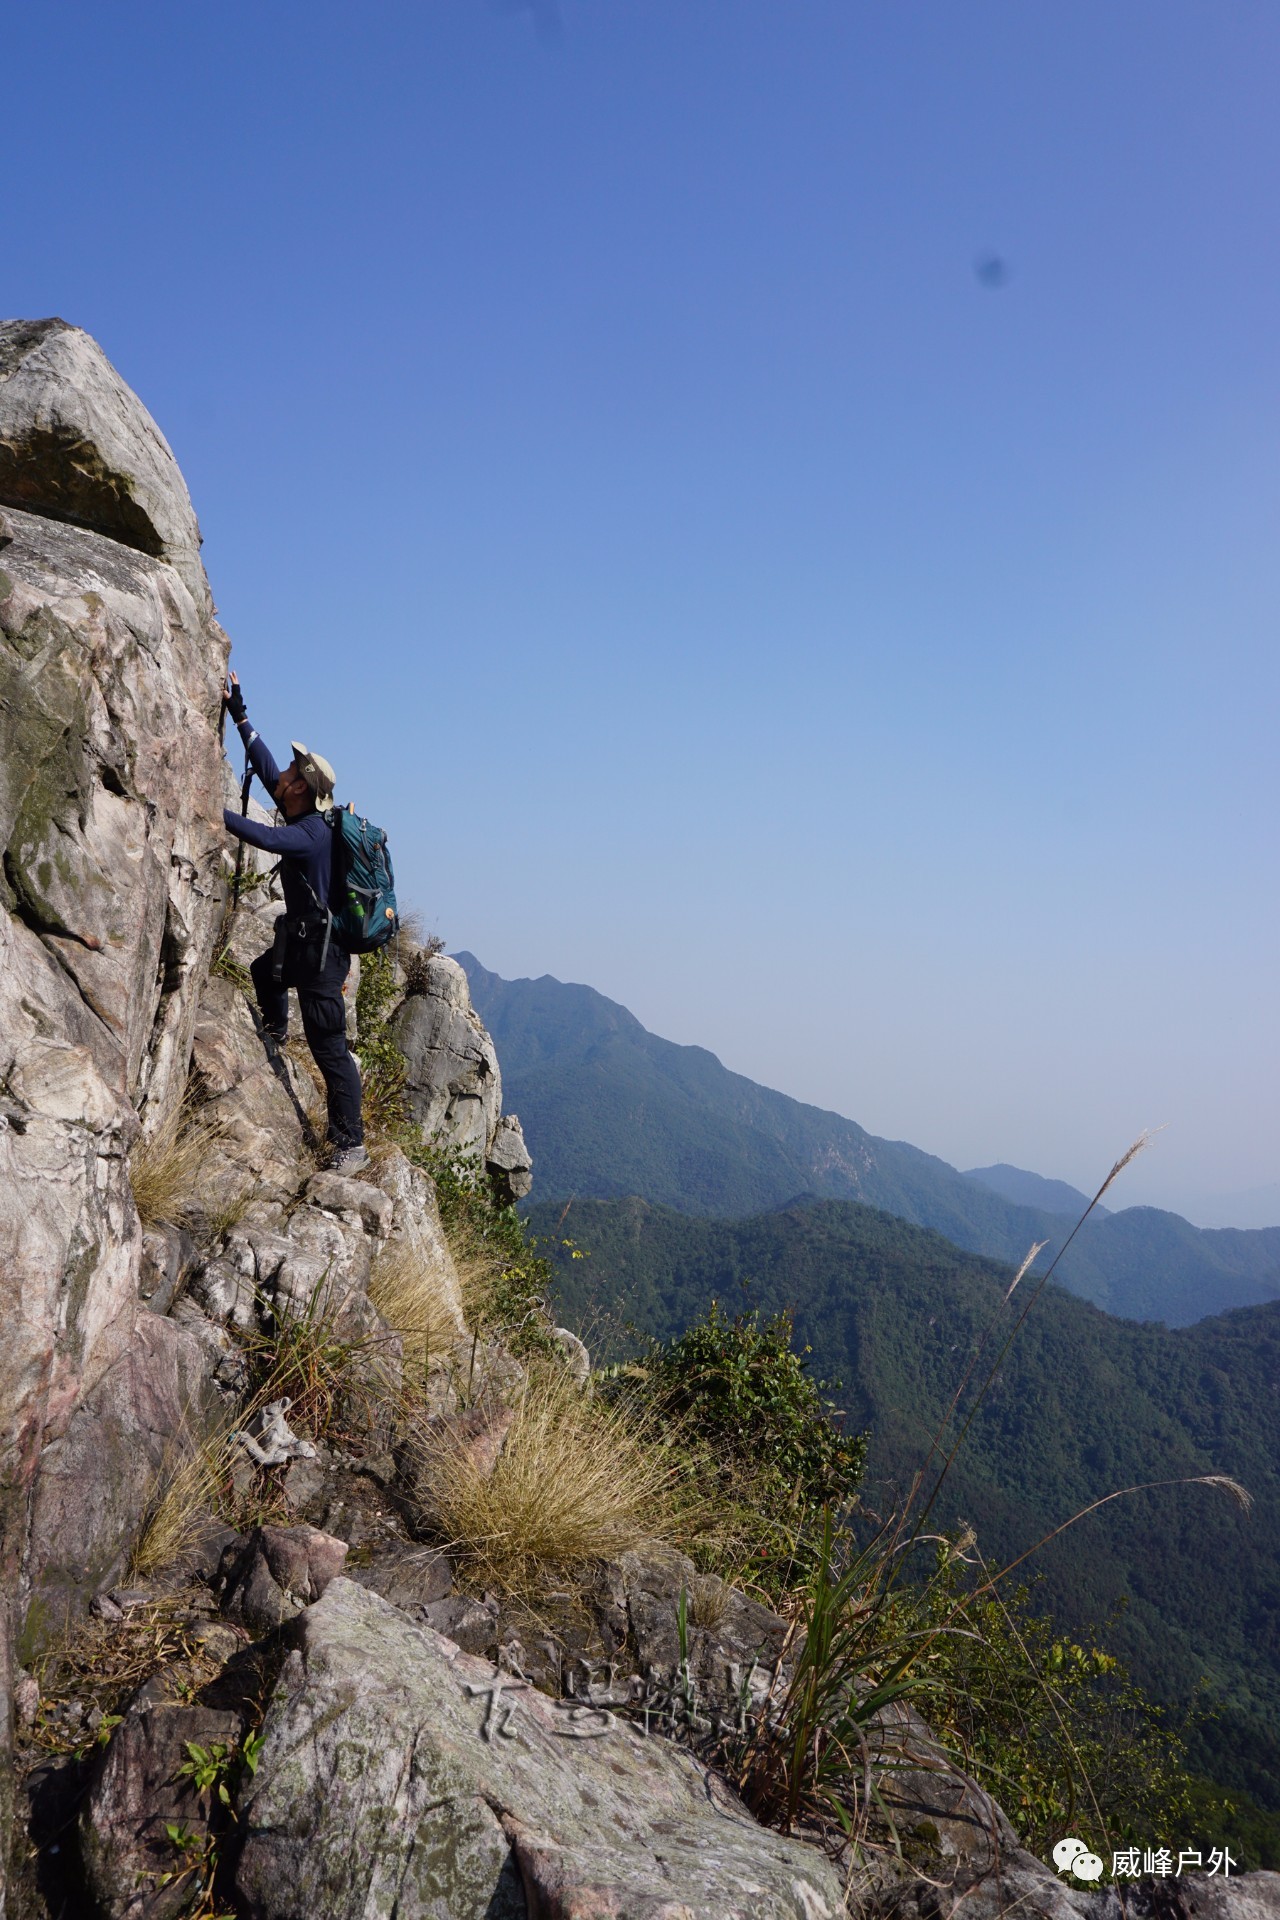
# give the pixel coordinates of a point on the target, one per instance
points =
(324, 1021)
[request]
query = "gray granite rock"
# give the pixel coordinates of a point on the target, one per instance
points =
(368, 1204)
(278, 1571)
(110, 774)
(77, 444)
(96, 1478)
(257, 1103)
(454, 1086)
(168, 1255)
(410, 1578)
(509, 1161)
(400, 1776)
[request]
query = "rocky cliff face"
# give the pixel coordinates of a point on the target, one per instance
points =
(110, 780)
(114, 888)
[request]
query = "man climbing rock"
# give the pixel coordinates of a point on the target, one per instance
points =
(305, 955)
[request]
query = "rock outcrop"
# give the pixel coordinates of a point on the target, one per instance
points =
(454, 1082)
(77, 445)
(120, 1344)
(402, 1777)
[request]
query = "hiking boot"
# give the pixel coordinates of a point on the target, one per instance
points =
(276, 1036)
(349, 1160)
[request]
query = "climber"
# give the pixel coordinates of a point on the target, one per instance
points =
(304, 955)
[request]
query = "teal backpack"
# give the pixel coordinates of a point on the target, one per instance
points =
(362, 894)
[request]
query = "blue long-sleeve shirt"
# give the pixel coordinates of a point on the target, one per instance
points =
(305, 845)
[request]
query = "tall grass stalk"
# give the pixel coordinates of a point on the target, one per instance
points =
(1131, 1153)
(185, 1492)
(864, 1635)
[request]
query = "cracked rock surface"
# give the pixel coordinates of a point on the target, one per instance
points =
(392, 1783)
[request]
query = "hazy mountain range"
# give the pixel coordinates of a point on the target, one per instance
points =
(609, 1110)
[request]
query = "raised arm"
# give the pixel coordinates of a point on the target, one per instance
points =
(255, 746)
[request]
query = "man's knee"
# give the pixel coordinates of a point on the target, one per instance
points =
(272, 998)
(324, 1021)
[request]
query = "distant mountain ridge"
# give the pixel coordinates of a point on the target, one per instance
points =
(1033, 1190)
(610, 1109)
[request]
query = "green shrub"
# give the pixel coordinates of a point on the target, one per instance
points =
(763, 1442)
(743, 1387)
(1057, 1731)
(504, 1277)
(382, 1067)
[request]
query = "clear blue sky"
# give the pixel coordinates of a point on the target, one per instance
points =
(610, 454)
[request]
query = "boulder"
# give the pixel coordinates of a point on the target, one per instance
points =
(617, 1639)
(401, 1776)
(508, 1160)
(410, 1578)
(131, 1864)
(77, 444)
(357, 1199)
(453, 1083)
(278, 1571)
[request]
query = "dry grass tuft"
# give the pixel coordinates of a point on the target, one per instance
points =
(575, 1481)
(99, 1663)
(406, 1290)
(187, 1487)
(165, 1166)
(709, 1599)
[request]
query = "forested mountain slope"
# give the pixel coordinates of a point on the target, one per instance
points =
(609, 1109)
(1082, 1405)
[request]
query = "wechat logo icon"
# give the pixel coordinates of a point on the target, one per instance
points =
(1075, 1855)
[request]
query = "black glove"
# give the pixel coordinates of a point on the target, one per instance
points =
(235, 701)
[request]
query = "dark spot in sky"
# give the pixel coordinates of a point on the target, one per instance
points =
(545, 14)
(992, 271)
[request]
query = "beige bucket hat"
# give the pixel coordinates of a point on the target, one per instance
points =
(316, 771)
